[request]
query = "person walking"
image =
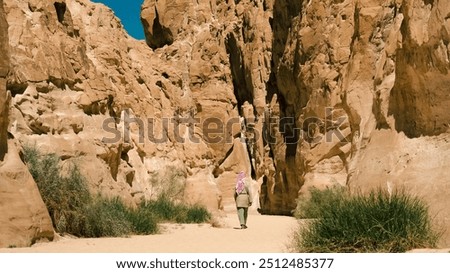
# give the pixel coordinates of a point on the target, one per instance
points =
(243, 198)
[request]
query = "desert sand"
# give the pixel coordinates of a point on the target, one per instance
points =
(265, 234)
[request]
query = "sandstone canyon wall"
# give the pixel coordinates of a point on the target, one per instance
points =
(24, 218)
(296, 93)
(381, 69)
(4, 97)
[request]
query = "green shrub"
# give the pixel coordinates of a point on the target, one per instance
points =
(111, 217)
(167, 204)
(64, 196)
(143, 221)
(320, 201)
(107, 217)
(73, 210)
(168, 210)
(197, 214)
(375, 222)
(162, 208)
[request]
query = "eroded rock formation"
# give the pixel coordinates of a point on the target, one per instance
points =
(24, 218)
(4, 96)
(318, 82)
(296, 93)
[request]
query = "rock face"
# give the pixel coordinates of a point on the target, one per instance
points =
(320, 82)
(224, 48)
(4, 97)
(296, 93)
(127, 115)
(75, 107)
(364, 81)
(24, 218)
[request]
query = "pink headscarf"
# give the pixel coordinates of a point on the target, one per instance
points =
(240, 182)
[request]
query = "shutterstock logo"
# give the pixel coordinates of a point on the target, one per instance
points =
(212, 130)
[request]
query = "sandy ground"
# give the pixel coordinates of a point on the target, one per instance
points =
(265, 234)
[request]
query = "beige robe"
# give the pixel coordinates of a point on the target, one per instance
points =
(244, 199)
